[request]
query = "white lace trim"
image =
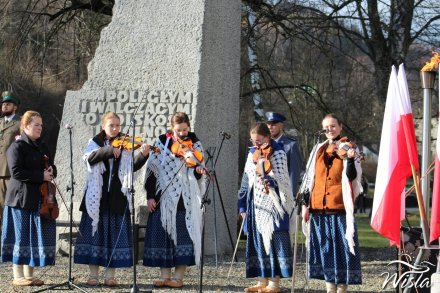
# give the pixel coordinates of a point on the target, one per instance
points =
(270, 207)
(183, 184)
(348, 190)
(94, 181)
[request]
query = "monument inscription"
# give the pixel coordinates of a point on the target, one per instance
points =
(150, 110)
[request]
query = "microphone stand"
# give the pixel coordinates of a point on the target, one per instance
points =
(210, 152)
(206, 200)
(134, 286)
(70, 281)
(300, 198)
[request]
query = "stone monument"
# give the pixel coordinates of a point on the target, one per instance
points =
(153, 59)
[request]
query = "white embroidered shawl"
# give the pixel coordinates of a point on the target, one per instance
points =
(94, 181)
(269, 208)
(348, 190)
(183, 184)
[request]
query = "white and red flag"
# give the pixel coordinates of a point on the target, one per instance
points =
(435, 209)
(398, 151)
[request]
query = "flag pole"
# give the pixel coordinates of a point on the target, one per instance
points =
(430, 169)
(423, 219)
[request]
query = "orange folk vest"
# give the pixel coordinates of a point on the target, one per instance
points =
(327, 191)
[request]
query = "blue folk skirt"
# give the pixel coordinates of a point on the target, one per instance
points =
(330, 258)
(160, 250)
(259, 264)
(110, 246)
(27, 239)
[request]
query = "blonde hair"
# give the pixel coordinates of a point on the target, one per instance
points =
(27, 118)
(179, 117)
(107, 116)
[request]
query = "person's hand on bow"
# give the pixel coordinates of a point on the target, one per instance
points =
(201, 170)
(145, 149)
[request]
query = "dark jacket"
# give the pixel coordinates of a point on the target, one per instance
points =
(26, 165)
(112, 199)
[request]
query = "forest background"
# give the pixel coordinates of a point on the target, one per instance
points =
(300, 58)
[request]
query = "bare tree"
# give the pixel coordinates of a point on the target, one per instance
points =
(44, 52)
(302, 57)
(254, 70)
(340, 54)
(382, 30)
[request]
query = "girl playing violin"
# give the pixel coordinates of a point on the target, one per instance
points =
(28, 240)
(174, 191)
(265, 203)
(105, 222)
(333, 180)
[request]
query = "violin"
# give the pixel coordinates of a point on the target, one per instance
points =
(184, 149)
(49, 205)
(261, 158)
(125, 142)
(341, 147)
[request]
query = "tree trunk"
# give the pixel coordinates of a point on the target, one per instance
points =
(253, 65)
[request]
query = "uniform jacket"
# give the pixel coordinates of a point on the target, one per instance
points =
(294, 159)
(26, 165)
(8, 132)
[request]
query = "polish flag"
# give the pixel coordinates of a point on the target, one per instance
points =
(398, 150)
(435, 209)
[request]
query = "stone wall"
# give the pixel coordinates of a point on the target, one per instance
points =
(153, 59)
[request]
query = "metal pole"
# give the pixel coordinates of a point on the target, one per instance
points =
(427, 79)
(214, 211)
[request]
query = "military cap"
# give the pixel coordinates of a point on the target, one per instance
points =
(273, 117)
(7, 97)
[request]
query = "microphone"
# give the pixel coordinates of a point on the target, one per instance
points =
(322, 131)
(225, 135)
(68, 126)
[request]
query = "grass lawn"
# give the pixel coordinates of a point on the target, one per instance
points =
(370, 238)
